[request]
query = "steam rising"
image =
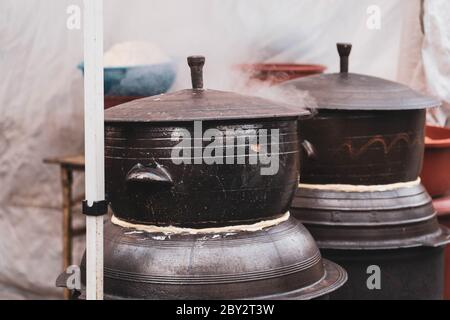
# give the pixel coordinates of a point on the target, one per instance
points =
(223, 75)
(134, 53)
(228, 77)
(284, 94)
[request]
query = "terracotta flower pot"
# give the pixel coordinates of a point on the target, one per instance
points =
(436, 165)
(275, 73)
(442, 206)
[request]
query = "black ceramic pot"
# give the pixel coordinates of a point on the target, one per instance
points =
(360, 196)
(146, 184)
(366, 131)
(363, 147)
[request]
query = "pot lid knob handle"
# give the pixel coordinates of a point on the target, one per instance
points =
(196, 64)
(344, 52)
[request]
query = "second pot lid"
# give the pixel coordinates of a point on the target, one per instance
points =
(199, 104)
(351, 91)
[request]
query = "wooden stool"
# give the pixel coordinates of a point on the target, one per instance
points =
(67, 166)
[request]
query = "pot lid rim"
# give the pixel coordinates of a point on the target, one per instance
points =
(166, 113)
(439, 239)
(416, 99)
(333, 278)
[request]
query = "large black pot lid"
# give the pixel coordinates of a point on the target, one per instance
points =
(351, 91)
(199, 104)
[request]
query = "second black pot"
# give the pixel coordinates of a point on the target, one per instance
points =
(367, 130)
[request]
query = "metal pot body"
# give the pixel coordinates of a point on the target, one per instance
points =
(266, 264)
(389, 219)
(406, 273)
(396, 231)
(144, 185)
(362, 147)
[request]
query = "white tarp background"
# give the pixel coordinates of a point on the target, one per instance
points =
(436, 54)
(41, 91)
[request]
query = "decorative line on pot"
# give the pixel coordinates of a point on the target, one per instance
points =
(407, 138)
(191, 231)
(360, 188)
(199, 279)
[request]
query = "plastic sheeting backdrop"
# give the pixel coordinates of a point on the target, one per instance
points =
(41, 95)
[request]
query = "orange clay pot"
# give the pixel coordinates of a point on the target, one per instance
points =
(436, 165)
(276, 73)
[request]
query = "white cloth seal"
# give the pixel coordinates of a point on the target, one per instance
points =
(360, 188)
(178, 230)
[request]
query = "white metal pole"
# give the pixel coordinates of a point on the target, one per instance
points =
(94, 143)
